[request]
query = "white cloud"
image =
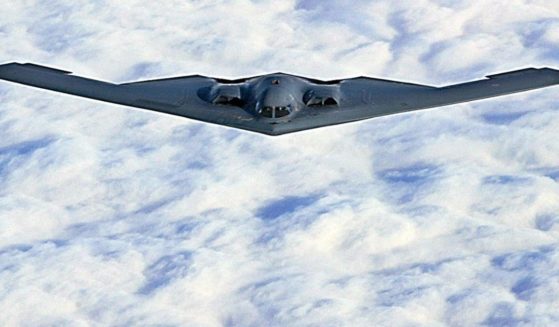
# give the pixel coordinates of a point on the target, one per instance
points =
(113, 216)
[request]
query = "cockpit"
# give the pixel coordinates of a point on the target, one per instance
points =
(276, 101)
(274, 111)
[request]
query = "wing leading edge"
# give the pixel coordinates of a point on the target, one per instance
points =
(374, 100)
(175, 96)
(62, 81)
(492, 86)
(495, 85)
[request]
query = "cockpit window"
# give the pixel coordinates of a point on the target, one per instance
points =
(267, 112)
(282, 112)
(274, 112)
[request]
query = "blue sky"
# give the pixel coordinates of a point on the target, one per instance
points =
(115, 216)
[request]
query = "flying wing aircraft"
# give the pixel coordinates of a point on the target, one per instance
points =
(278, 103)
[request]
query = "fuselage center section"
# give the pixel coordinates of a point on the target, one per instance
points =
(277, 99)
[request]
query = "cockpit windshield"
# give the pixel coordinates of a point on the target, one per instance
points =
(282, 111)
(267, 112)
(274, 112)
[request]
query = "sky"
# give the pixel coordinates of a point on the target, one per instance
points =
(112, 216)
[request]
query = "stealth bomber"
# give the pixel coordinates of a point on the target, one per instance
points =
(278, 103)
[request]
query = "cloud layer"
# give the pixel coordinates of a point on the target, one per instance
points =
(113, 216)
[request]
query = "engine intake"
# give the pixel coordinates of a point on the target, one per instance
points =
(313, 98)
(227, 95)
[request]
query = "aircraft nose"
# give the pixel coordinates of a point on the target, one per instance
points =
(268, 111)
(276, 97)
(276, 103)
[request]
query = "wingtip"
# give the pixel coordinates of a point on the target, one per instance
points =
(552, 73)
(7, 70)
(35, 67)
(9, 64)
(517, 72)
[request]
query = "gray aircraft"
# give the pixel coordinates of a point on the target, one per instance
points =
(279, 103)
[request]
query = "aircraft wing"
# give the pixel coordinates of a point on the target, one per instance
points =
(176, 96)
(364, 98)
